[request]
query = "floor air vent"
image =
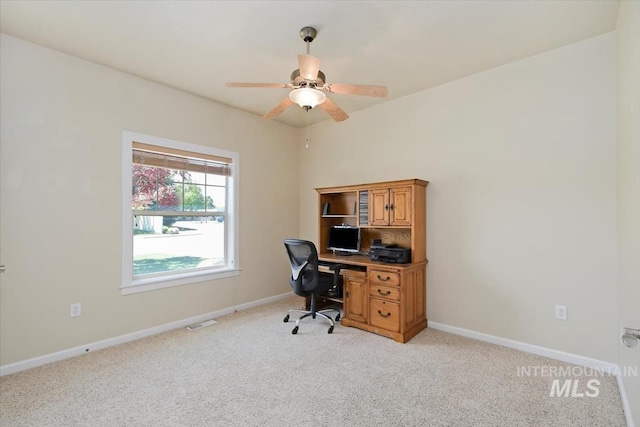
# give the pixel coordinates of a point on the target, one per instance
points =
(201, 325)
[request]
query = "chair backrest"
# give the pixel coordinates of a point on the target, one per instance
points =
(303, 258)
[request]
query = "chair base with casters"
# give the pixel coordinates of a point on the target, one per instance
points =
(307, 281)
(313, 313)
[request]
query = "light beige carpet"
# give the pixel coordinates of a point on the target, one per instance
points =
(249, 370)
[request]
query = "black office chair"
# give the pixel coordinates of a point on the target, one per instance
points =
(307, 281)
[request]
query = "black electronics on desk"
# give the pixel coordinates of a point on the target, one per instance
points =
(390, 253)
(344, 239)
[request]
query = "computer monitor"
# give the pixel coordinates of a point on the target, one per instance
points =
(344, 239)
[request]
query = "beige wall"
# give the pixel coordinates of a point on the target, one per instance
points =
(62, 123)
(628, 225)
(521, 205)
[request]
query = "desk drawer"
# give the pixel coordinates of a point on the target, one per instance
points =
(385, 292)
(385, 278)
(385, 314)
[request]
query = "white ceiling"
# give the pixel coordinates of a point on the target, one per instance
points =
(408, 46)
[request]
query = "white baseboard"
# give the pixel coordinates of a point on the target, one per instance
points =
(546, 352)
(528, 348)
(625, 401)
(110, 342)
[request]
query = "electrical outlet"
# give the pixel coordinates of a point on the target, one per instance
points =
(76, 309)
(561, 312)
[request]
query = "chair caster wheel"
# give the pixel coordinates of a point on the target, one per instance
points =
(295, 330)
(330, 329)
(286, 318)
(338, 317)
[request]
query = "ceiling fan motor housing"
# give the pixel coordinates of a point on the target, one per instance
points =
(297, 80)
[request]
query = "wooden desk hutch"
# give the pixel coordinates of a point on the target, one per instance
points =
(385, 298)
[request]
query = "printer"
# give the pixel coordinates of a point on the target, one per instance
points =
(390, 253)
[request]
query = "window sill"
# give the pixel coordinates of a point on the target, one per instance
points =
(154, 283)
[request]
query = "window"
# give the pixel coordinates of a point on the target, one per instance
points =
(179, 213)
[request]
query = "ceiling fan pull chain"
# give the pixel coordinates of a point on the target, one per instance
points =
(307, 130)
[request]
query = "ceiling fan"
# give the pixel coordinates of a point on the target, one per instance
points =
(309, 85)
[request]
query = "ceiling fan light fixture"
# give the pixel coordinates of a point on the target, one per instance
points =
(307, 97)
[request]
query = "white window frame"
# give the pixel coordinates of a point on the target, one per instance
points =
(129, 284)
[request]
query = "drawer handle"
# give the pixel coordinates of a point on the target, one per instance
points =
(384, 280)
(384, 315)
(384, 293)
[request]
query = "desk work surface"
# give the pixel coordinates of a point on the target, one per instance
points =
(362, 260)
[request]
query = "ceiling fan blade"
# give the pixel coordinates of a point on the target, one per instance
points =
(286, 103)
(275, 85)
(309, 66)
(365, 90)
(334, 111)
